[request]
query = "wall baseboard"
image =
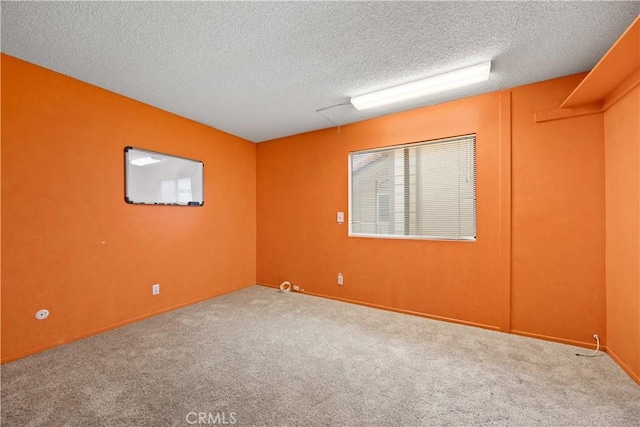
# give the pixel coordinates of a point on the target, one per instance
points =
(604, 349)
(452, 320)
(12, 357)
(634, 376)
(397, 310)
(558, 340)
(611, 353)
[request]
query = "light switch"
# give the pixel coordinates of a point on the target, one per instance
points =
(340, 217)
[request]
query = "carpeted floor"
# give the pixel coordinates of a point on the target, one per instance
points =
(258, 357)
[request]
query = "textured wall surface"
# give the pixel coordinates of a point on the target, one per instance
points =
(558, 218)
(556, 290)
(622, 154)
(72, 245)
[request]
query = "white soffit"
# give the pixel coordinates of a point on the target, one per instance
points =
(260, 70)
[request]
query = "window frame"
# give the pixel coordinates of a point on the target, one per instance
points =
(411, 237)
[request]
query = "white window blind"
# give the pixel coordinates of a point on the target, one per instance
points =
(425, 190)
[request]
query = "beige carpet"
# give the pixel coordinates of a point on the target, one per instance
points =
(258, 357)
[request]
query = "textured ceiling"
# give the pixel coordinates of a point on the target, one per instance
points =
(260, 70)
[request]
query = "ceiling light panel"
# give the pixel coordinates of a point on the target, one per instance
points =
(430, 85)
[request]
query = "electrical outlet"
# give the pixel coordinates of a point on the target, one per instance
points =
(155, 289)
(340, 279)
(296, 288)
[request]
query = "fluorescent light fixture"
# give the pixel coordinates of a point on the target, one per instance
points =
(144, 161)
(435, 84)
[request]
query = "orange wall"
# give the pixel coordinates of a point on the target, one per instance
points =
(536, 269)
(556, 287)
(622, 157)
(558, 218)
(72, 245)
(302, 183)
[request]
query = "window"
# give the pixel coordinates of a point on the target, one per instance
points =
(425, 190)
